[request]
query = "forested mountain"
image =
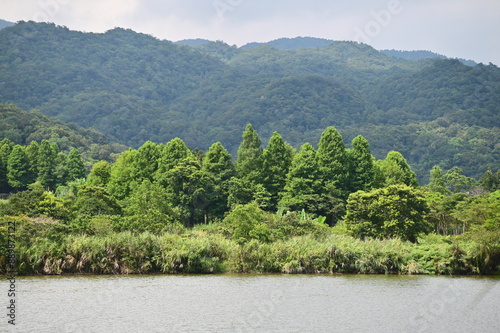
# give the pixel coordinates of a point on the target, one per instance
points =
(134, 88)
(421, 54)
(21, 127)
(5, 24)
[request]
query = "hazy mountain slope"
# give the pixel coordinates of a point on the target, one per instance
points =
(22, 127)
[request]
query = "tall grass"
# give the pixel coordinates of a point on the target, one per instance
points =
(46, 248)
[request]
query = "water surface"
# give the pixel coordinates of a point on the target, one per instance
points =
(256, 303)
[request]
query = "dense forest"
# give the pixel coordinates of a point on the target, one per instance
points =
(168, 208)
(134, 88)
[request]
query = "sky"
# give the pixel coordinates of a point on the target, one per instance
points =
(456, 28)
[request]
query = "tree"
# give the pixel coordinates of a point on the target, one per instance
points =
(18, 170)
(332, 159)
(32, 155)
(46, 165)
(145, 163)
(457, 182)
(277, 158)
(121, 176)
(249, 160)
(99, 174)
(303, 184)
(218, 165)
(393, 211)
(361, 168)
(246, 222)
(396, 170)
(74, 165)
(148, 208)
(5, 149)
(174, 152)
(437, 182)
(189, 190)
(94, 200)
(489, 181)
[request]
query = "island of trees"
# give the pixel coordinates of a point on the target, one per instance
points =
(166, 208)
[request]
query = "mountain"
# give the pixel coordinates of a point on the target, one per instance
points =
(5, 24)
(420, 54)
(193, 42)
(22, 127)
(134, 87)
(293, 43)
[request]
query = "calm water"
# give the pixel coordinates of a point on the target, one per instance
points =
(255, 303)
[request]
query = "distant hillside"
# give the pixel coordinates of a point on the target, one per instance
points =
(193, 42)
(134, 88)
(417, 55)
(22, 127)
(293, 43)
(5, 24)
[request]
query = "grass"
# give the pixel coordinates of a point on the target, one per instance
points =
(44, 247)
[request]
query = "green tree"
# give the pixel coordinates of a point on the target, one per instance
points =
(32, 155)
(122, 175)
(99, 174)
(332, 159)
(148, 208)
(5, 149)
(437, 182)
(218, 164)
(457, 182)
(189, 190)
(18, 169)
(46, 165)
(249, 160)
(396, 170)
(94, 200)
(174, 152)
(277, 158)
(146, 162)
(246, 222)
(490, 181)
(303, 184)
(393, 211)
(361, 168)
(74, 165)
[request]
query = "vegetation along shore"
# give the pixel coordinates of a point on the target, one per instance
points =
(165, 208)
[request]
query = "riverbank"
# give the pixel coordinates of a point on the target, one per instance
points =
(45, 248)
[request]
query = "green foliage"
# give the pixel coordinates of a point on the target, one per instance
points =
(394, 211)
(121, 175)
(148, 208)
(277, 158)
(94, 200)
(100, 174)
(303, 184)
(46, 165)
(437, 181)
(218, 165)
(249, 161)
(332, 158)
(361, 168)
(18, 169)
(246, 222)
(457, 182)
(74, 165)
(489, 181)
(396, 170)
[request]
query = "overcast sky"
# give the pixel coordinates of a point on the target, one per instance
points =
(456, 28)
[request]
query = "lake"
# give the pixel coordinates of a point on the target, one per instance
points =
(255, 303)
